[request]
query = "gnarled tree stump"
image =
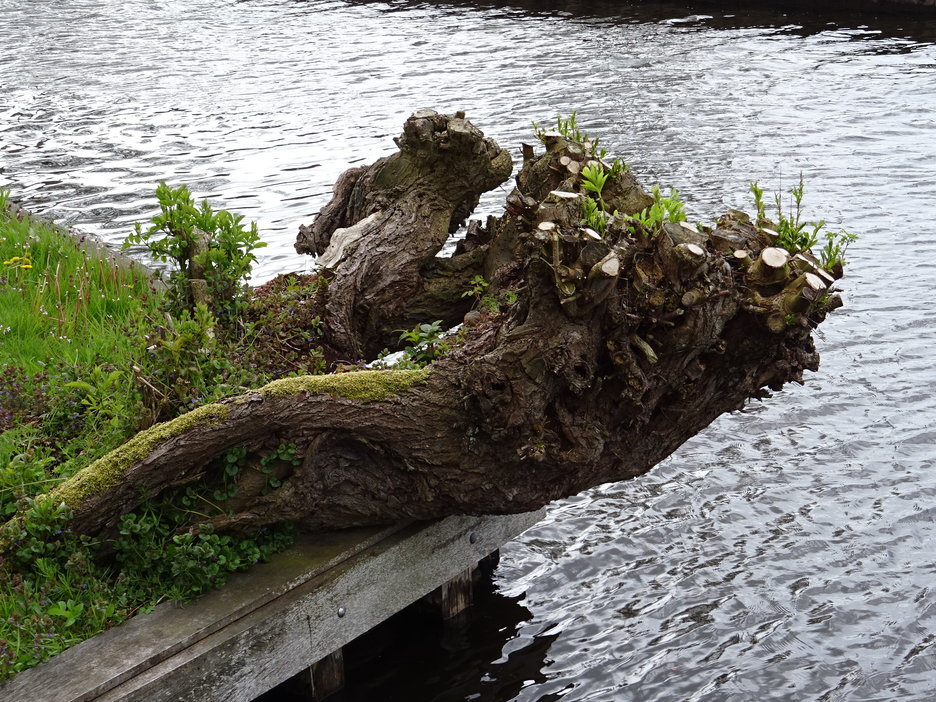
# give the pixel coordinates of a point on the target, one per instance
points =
(607, 351)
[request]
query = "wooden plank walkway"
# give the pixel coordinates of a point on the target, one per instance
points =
(269, 624)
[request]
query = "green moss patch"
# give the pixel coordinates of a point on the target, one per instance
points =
(368, 386)
(109, 470)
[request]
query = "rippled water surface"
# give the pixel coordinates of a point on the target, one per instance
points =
(787, 553)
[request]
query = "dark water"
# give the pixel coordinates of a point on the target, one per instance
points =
(787, 553)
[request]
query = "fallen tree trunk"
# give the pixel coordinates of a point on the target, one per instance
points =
(594, 356)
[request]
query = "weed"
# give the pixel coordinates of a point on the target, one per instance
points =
(593, 215)
(154, 556)
(233, 464)
(758, 193)
(618, 168)
(187, 364)
(283, 453)
(594, 177)
(794, 235)
(476, 290)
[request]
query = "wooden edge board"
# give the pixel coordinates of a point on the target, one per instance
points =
(118, 654)
(270, 623)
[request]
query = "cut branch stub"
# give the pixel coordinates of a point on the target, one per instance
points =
(742, 257)
(803, 293)
(770, 267)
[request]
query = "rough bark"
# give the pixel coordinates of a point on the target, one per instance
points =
(607, 351)
(386, 222)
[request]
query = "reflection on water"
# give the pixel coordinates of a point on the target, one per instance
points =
(785, 553)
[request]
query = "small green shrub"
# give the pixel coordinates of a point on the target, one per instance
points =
(188, 363)
(594, 177)
(794, 235)
(477, 286)
(283, 453)
(758, 193)
(154, 556)
(593, 215)
(198, 237)
(25, 460)
(157, 551)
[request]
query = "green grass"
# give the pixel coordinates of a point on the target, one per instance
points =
(58, 303)
(76, 332)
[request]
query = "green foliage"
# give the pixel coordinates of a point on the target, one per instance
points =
(424, 345)
(70, 610)
(476, 290)
(100, 396)
(758, 193)
(832, 254)
(478, 286)
(233, 464)
(36, 535)
(664, 209)
(188, 363)
(283, 453)
(193, 236)
(55, 422)
(55, 592)
(593, 215)
(794, 235)
(52, 593)
(24, 463)
(618, 168)
(155, 557)
(594, 177)
(569, 129)
(490, 303)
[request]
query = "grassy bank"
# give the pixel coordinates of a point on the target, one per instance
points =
(90, 353)
(68, 323)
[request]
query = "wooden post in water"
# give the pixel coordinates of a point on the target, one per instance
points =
(319, 680)
(453, 597)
